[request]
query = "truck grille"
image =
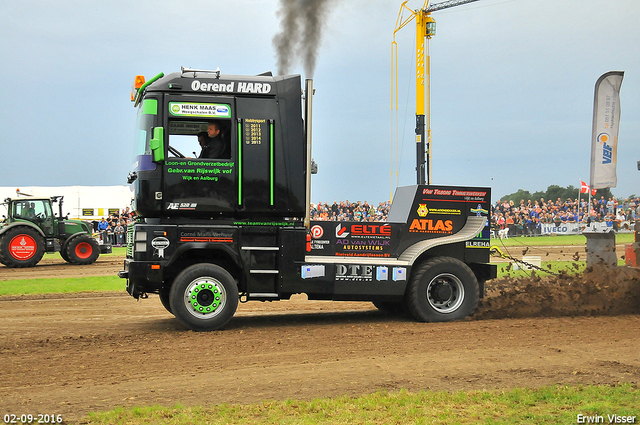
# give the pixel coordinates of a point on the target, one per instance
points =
(130, 241)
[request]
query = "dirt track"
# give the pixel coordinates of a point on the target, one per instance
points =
(80, 353)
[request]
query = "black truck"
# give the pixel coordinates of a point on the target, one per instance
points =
(212, 232)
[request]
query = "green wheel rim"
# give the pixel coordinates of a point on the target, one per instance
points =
(205, 297)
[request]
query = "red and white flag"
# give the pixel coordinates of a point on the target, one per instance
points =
(584, 188)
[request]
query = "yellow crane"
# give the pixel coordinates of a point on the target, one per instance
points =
(425, 29)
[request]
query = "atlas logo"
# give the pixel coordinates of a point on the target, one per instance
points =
(607, 150)
(431, 226)
(341, 232)
(423, 210)
(317, 232)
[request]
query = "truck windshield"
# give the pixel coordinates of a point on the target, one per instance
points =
(142, 134)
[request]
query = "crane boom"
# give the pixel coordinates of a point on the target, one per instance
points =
(425, 29)
(447, 4)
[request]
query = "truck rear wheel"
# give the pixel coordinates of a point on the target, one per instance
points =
(442, 289)
(21, 247)
(204, 297)
(82, 249)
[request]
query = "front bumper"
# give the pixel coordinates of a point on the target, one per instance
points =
(144, 276)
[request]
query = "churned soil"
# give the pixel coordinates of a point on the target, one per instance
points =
(73, 354)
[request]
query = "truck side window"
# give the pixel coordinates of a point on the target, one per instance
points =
(200, 139)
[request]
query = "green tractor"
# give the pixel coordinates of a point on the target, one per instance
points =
(30, 229)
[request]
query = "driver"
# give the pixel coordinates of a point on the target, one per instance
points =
(31, 210)
(212, 146)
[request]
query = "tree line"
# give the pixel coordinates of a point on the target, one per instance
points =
(554, 192)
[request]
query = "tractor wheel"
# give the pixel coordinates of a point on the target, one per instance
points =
(21, 247)
(442, 289)
(204, 297)
(63, 253)
(164, 299)
(82, 249)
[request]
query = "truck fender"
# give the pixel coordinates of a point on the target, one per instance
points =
(22, 223)
(472, 227)
(204, 246)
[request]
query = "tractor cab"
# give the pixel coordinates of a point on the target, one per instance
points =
(35, 210)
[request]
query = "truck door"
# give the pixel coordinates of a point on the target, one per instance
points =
(199, 171)
(257, 129)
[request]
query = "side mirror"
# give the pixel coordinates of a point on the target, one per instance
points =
(157, 144)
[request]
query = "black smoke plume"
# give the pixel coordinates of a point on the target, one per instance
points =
(301, 23)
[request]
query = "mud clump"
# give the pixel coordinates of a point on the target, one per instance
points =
(598, 291)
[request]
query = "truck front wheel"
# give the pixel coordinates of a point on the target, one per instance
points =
(204, 297)
(442, 289)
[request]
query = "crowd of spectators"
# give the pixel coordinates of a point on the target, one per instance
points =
(350, 211)
(114, 227)
(526, 217)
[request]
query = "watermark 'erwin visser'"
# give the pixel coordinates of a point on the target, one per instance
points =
(605, 419)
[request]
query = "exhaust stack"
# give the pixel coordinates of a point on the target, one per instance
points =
(308, 95)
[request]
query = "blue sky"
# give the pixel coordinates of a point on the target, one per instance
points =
(511, 104)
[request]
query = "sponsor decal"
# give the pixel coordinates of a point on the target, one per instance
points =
(182, 206)
(364, 231)
(466, 195)
(206, 236)
(319, 243)
(478, 244)
(191, 109)
(431, 226)
(479, 211)
(22, 247)
(264, 223)
(363, 245)
(363, 272)
(422, 210)
(341, 231)
(198, 170)
(607, 150)
(160, 244)
(232, 87)
(453, 192)
(317, 232)
(354, 272)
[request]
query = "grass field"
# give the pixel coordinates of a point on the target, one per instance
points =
(61, 285)
(547, 405)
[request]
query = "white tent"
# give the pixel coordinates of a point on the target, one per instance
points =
(84, 202)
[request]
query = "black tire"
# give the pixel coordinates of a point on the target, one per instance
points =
(63, 253)
(442, 289)
(204, 297)
(82, 249)
(165, 300)
(21, 247)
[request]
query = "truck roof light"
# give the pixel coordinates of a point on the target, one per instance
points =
(138, 82)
